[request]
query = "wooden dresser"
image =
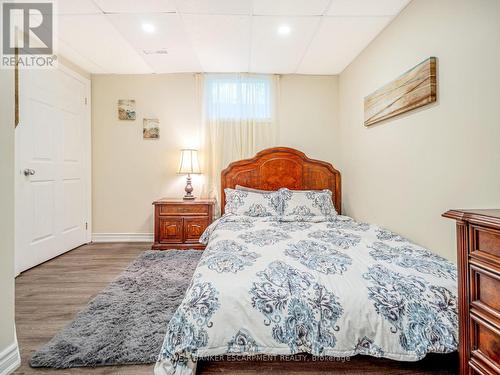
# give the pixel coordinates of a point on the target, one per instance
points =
(180, 223)
(478, 237)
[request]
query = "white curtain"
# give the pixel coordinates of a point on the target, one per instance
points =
(239, 119)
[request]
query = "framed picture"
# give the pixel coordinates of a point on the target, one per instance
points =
(126, 109)
(151, 128)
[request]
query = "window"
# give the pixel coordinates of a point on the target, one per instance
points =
(239, 119)
(238, 97)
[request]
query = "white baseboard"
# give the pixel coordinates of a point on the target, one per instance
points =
(122, 237)
(10, 359)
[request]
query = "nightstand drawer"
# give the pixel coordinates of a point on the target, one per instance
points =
(184, 209)
(194, 228)
(170, 230)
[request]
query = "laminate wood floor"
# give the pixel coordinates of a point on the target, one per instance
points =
(49, 295)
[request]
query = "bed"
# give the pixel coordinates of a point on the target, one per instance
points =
(269, 286)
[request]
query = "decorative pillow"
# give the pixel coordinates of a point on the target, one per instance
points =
(307, 204)
(241, 202)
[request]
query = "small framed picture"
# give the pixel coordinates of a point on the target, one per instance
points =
(151, 128)
(126, 109)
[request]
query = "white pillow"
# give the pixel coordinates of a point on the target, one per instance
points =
(241, 202)
(307, 204)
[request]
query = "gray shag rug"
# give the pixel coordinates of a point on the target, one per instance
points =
(125, 323)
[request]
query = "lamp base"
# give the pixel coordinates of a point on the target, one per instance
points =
(188, 189)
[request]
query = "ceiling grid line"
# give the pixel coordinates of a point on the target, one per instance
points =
(97, 6)
(180, 15)
(250, 37)
(318, 26)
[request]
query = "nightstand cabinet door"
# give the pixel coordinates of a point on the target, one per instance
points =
(170, 230)
(194, 228)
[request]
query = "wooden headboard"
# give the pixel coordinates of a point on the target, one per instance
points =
(279, 167)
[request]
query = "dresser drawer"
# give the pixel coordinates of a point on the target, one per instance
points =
(484, 289)
(485, 343)
(478, 368)
(485, 243)
(170, 230)
(194, 228)
(183, 209)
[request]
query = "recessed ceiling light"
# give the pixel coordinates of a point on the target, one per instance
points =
(148, 28)
(284, 30)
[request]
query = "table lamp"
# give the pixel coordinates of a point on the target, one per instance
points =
(189, 165)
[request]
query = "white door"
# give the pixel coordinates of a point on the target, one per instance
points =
(52, 163)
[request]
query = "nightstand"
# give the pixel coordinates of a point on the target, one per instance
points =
(180, 223)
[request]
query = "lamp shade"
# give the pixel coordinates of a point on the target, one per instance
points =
(189, 162)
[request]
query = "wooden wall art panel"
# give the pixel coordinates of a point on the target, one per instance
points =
(415, 88)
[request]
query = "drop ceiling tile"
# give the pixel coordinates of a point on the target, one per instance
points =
(136, 6)
(169, 35)
(241, 7)
(220, 35)
(170, 64)
(222, 43)
(93, 37)
(338, 41)
(64, 49)
(274, 53)
(366, 7)
(76, 7)
(290, 7)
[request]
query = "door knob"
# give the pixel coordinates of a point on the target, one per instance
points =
(29, 172)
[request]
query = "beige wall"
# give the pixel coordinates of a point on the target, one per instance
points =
(309, 115)
(7, 335)
(129, 172)
(404, 173)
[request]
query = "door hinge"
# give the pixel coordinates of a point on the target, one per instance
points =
(85, 100)
(86, 226)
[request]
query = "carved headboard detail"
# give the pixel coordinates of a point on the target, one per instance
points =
(279, 167)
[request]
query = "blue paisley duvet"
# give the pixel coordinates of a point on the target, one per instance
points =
(329, 288)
